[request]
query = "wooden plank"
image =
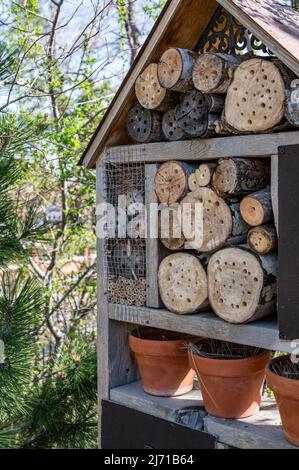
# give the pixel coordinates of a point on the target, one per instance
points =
(264, 145)
(262, 431)
(102, 306)
(133, 396)
(274, 189)
(288, 243)
(263, 334)
(274, 23)
(172, 28)
(154, 249)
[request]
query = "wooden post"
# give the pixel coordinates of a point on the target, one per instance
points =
(242, 286)
(175, 69)
(149, 92)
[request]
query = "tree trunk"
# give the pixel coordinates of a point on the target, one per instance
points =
(263, 239)
(171, 182)
(144, 126)
(183, 284)
(171, 129)
(256, 209)
(213, 72)
(150, 94)
(234, 177)
(255, 100)
(175, 69)
(242, 285)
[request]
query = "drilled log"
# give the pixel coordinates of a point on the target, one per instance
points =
(192, 114)
(255, 100)
(215, 103)
(257, 209)
(183, 284)
(208, 230)
(144, 126)
(170, 231)
(242, 285)
(171, 182)
(202, 177)
(263, 239)
(234, 177)
(175, 69)
(149, 92)
(171, 129)
(213, 72)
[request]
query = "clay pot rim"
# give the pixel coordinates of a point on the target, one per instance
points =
(177, 337)
(153, 348)
(280, 378)
(231, 361)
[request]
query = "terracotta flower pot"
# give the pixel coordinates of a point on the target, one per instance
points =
(286, 392)
(163, 363)
(231, 389)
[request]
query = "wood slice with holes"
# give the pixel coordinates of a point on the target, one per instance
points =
(128, 260)
(144, 126)
(213, 72)
(257, 209)
(202, 177)
(170, 231)
(171, 182)
(292, 113)
(242, 285)
(175, 69)
(171, 129)
(234, 177)
(263, 239)
(255, 100)
(208, 230)
(183, 284)
(149, 92)
(192, 114)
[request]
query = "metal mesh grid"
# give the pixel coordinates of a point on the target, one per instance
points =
(125, 255)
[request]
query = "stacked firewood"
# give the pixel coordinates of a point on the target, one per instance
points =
(228, 260)
(188, 96)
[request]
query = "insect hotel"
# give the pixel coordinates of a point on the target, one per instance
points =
(193, 324)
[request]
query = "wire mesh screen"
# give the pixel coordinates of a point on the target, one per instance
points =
(125, 246)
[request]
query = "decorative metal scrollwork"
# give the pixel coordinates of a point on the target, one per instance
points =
(227, 34)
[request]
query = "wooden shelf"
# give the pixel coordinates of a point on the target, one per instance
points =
(263, 334)
(262, 431)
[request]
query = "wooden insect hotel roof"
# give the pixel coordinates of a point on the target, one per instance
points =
(189, 24)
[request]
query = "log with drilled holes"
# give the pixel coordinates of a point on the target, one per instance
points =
(171, 181)
(263, 239)
(208, 229)
(144, 126)
(256, 209)
(183, 284)
(202, 177)
(171, 129)
(255, 100)
(175, 69)
(213, 72)
(237, 176)
(242, 285)
(170, 230)
(192, 114)
(149, 92)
